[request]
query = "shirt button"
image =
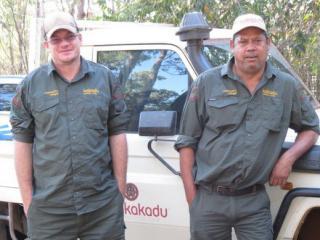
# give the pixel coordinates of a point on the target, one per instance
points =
(249, 135)
(73, 137)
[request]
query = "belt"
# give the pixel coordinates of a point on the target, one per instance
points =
(230, 191)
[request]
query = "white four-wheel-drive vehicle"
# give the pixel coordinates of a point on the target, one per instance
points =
(156, 65)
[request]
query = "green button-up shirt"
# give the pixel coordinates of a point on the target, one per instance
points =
(69, 124)
(237, 136)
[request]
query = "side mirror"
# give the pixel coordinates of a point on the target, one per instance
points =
(157, 123)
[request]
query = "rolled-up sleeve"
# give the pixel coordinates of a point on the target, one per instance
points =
(303, 115)
(192, 121)
(118, 115)
(20, 118)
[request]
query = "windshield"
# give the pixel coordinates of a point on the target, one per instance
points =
(7, 91)
(218, 52)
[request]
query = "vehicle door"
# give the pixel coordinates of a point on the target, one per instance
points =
(154, 78)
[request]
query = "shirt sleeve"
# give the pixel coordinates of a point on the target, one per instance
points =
(118, 115)
(192, 120)
(303, 115)
(21, 120)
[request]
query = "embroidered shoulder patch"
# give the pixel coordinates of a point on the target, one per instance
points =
(194, 95)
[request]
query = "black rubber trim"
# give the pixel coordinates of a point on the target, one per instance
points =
(283, 210)
(157, 156)
(308, 162)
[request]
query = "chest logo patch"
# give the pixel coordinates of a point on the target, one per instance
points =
(52, 93)
(269, 93)
(230, 92)
(90, 91)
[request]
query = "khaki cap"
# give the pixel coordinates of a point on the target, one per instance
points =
(248, 20)
(59, 20)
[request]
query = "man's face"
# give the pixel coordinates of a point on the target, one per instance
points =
(64, 47)
(250, 49)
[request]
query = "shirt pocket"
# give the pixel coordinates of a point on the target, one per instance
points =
(273, 113)
(224, 112)
(45, 110)
(96, 112)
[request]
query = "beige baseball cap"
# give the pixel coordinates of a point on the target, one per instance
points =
(59, 20)
(248, 20)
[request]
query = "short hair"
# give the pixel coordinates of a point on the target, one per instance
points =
(237, 34)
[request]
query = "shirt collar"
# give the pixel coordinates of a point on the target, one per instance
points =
(85, 68)
(227, 69)
(51, 67)
(270, 71)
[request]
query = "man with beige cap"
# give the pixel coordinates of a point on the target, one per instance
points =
(233, 126)
(69, 121)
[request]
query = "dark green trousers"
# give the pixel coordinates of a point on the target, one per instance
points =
(105, 223)
(212, 216)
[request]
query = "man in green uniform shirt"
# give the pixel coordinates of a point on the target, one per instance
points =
(68, 121)
(233, 126)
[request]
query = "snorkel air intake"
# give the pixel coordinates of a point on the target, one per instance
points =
(194, 29)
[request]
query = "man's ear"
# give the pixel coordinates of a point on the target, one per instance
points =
(268, 42)
(45, 44)
(231, 43)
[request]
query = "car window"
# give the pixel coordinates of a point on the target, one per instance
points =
(153, 80)
(217, 54)
(7, 91)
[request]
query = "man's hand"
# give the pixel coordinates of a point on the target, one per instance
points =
(122, 188)
(23, 166)
(186, 164)
(26, 205)
(119, 153)
(190, 195)
(280, 172)
(282, 169)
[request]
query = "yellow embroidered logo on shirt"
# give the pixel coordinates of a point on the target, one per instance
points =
(52, 93)
(90, 91)
(269, 93)
(231, 91)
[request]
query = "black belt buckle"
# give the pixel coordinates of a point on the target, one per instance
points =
(254, 188)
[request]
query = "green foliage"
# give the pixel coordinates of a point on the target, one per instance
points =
(14, 35)
(169, 11)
